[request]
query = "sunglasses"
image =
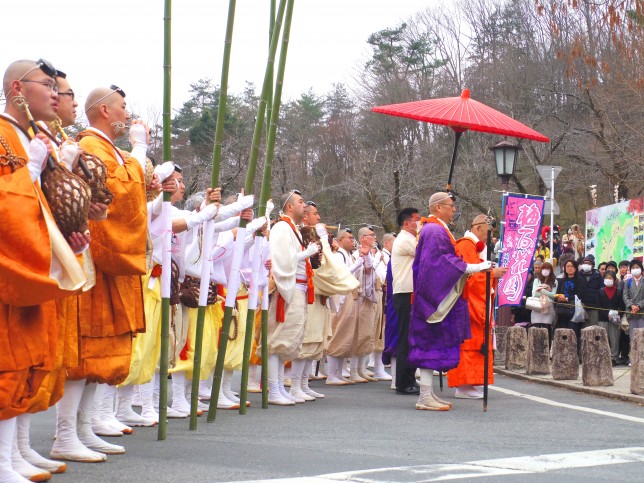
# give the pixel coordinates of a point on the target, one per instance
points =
(44, 66)
(311, 203)
(118, 90)
(291, 193)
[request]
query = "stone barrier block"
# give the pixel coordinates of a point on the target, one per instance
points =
(500, 333)
(637, 361)
(596, 365)
(538, 356)
(565, 361)
(516, 348)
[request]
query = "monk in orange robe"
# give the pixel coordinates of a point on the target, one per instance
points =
(469, 372)
(116, 302)
(37, 265)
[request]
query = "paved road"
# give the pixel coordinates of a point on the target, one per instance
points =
(367, 427)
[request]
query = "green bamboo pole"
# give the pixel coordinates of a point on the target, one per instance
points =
(167, 155)
(250, 177)
(216, 163)
(250, 315)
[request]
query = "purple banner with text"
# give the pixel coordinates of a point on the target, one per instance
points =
(522, 226)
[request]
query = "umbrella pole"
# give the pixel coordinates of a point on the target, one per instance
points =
(486, 343)
(451, 167)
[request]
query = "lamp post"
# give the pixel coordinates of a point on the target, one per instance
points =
(505, 159)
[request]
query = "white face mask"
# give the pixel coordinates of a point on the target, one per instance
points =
(636, 272)
(609, 282)
(545, 272)
(586, 267)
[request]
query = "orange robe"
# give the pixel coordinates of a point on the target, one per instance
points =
(30, 247)
(118, 249)
(472, 363)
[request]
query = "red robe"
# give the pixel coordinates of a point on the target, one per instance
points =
(472, 363)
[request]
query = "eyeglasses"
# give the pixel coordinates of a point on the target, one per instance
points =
(68, 93)
(49, 84)
(311, 203)
(43, 65)
(291, 193)
(370, 235)
(348, 230)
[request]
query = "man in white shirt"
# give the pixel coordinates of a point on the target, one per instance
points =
(402, 258)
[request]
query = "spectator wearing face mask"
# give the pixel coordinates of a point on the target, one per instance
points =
(611, 299)
(634, 298)
(545, 283)
(590, 297)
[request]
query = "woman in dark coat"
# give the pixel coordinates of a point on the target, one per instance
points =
(569, 286)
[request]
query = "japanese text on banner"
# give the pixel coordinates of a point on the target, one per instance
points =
(523, 216)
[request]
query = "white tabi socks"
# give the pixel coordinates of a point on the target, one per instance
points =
(124, 412)
(308, 368)
(104, 423)
(179, 401)
(205, 389)
(147, 401)
(298, 367)
(427, 400)
(253, 383)
(355, 376)
(7, 434)
(67, 446)
(379, 368)
(334, 368)
(362, 369)
(28, 454)
(393, 373)
(85, 433)
(24, 468)
(275, 395)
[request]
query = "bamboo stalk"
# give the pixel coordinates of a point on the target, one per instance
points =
(216, 164)
(251, 310)
(241, 232)
(264, 194)
(167, 154)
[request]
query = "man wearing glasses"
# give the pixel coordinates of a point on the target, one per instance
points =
(293, 277)
(32, 274)
(118, 247)
(440, 319)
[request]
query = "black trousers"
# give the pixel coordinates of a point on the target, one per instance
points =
(405, 373)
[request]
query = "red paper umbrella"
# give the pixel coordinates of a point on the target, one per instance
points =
(462, 113)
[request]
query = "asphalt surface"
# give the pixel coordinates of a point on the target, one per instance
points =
(368, 426)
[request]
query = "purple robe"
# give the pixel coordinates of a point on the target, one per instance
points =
(437, 269)
(391, 324)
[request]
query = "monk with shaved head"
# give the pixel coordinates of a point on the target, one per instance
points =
(36, 264)
(469, 373)
(115, 303)
(439, 317)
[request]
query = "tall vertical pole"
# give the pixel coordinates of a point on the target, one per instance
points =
(552, 211)
(165, 278)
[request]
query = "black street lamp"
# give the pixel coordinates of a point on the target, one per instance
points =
(505, 157)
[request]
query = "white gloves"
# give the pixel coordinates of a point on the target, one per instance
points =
(37, 154)
(320, 229)
(138, 139)
(229, 224)
(232, 209)
(69, 152)
(356, 265)
(311, 250)
(270, 206)
(164, 171)
(205, 214)
(256, 224)
(477, 267)
(156, 205)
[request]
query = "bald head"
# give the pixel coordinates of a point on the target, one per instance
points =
(98, 96)
(479, 227)
(436, 199)
(15, 71)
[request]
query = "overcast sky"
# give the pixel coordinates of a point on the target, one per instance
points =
(120, 42)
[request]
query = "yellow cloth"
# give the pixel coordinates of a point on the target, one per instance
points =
(235, 348)
(212, 326)
(146, 347)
